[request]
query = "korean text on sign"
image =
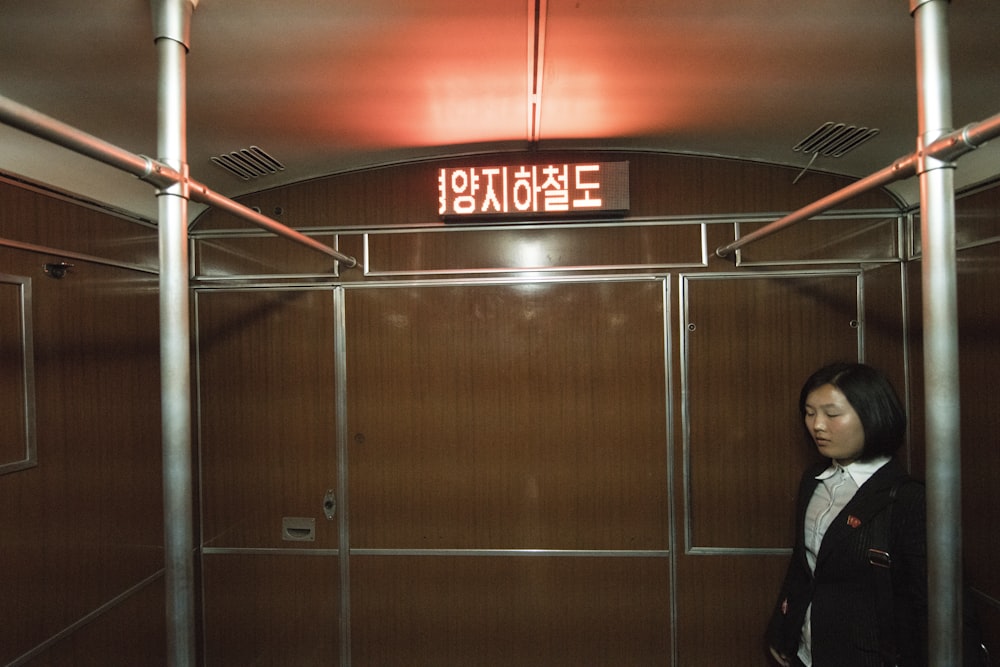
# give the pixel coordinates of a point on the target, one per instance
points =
(526, 189)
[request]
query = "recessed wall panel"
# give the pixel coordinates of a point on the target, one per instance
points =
(723, 606)
(749, 342)
(825, 241)
(245, 256)
(480, 611)
(976, 221)
(267, 425)
(271, 610)
(555, 248)
(978, 333)
(508, 416)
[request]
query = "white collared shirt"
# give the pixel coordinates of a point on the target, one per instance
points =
(861, 471)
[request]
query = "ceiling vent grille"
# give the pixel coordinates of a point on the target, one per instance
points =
(835, 139)
(248, 163)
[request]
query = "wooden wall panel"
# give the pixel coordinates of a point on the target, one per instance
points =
(261, 256)
(723, 606)
(267, 415)
(271, 610)
(885, 327)
(850, 240)
(531, 611)
(660, 185)
(39, 218)
(640, 247)
(977, 219)
(131, 633)
(750, 343)
(86, 524)
(979, 358)
(508, 416)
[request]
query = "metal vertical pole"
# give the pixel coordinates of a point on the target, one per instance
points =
(940, 318)
(343, 511)
(171, 19)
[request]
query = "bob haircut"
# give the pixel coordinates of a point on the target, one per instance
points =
(872, 397)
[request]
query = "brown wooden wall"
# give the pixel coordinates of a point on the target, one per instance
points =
(585, 454)
(81, 546)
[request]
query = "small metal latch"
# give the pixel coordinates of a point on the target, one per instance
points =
(879, 558)
(298, 529)
(329, 504)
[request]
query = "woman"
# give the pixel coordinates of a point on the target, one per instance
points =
(837, 607)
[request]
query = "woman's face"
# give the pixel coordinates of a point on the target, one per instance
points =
(834, 425)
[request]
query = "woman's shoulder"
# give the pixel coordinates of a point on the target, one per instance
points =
(900, 478)
(908, 487)
(907, 491)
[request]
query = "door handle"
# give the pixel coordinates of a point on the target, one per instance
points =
(329, 504)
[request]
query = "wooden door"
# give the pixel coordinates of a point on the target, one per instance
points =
(268, 455)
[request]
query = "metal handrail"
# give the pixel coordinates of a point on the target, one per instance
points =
(947, 148)
(147, 169)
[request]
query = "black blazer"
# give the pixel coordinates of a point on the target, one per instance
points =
(852, 624)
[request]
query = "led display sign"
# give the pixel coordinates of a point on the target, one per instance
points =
(565, 189)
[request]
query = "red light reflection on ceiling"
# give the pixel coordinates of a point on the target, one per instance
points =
(463, 73)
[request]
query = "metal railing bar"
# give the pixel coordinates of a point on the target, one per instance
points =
(147, 169)
(948, 148)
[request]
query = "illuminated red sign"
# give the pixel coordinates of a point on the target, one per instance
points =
(544, 189)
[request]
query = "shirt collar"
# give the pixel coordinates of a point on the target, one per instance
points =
(860, 471)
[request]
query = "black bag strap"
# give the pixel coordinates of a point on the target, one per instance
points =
(880, 558)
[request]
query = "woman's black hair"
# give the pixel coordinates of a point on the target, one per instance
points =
(872, 396)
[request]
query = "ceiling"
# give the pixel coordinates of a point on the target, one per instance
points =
(325, 87)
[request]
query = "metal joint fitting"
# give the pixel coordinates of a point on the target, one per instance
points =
(172, 20)
(926, 161)
(916, 4)
(182, 186)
